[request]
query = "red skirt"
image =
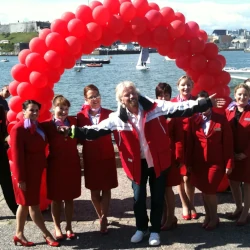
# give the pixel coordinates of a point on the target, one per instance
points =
(207, 178)
(241, 171)
(173, 177)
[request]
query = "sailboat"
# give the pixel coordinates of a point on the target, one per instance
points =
(143, 60)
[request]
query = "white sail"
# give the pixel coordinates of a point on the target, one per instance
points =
(143, 59)
(139, 59)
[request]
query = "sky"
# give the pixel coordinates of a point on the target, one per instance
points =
(210, 14)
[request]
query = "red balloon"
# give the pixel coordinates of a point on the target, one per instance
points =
(108, 37)
(191, 30)
(38, 79)
(163, 49)
(223, 78)
(68, 61)
(206, 81)
(12, 87)
(145, 39)
(222, 59)
(139, 25)
(154, 17)
(45, 95)
(182, 62)
(45, 116)
(126, 35)
(59, 26)
(193, 74)
(160, 35)
(94, 31)
(77, 28)
(38, 45)
(179, 16)
(210, 51)
(84, 13)
(214, 67)
(43, 33)
(11, 116)
(19, 116)
(20, 72)
(141, 7)
(221, 91)
(53, 59)
(154, 6)
(112, 5)
(56, 42)
(176, 28)
(94, 4)
(27, 91)
(35, 62)
(74, 43)
(181, 46)
(22, 55)
(203, 35)
(116, 24)
(87, 46)
(53, 75)
(198, 62)
(127, 11)
(168, 15)
(101, 15)
(197, 45)
(10, 126)
(15, 104)
(67, 16)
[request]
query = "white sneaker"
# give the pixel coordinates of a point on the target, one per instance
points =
(138, 236)
(154, 239)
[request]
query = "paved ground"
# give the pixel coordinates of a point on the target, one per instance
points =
(188, 235)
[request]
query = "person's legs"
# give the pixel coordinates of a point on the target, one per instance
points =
(184, 199)
(244, 214)
(189, 190)
(21, 216)
(237, 195)
(56, 216)
(170, 204)
(105, 201)
(207, 218)
(157, 189)
(212, 208)
(37, 217)
(96, 201)
(68, 210)
(140, 196)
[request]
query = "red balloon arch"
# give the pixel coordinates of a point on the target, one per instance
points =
(75, 34)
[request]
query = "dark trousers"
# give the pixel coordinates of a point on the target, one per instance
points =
(5, 179)
(157, 190)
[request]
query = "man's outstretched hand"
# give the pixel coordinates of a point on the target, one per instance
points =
(217, 102)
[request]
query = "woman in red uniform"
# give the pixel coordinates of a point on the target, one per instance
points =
(64, 170)
(186, 190)
(98, 156)
(239, 118)
(28, 143)
(163, 91)
(209, 156)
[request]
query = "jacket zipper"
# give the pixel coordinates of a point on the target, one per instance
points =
(161, 125)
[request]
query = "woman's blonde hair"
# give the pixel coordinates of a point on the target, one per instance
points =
(185, 77)
(60, 100)
(121, 86)
(242, 85)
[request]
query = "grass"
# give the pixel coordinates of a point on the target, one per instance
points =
(19, 37)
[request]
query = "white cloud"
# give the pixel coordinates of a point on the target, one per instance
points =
(209, 15)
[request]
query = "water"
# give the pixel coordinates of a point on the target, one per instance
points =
(122, 67)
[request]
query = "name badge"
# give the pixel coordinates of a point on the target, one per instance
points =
(247, 119)
(217, 129)
(130, 160)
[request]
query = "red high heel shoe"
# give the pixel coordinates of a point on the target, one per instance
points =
(61, 237)
(25, 244)
(52, 244)
(172, 226)
(194, 216)
(70, 236)
(186, 217)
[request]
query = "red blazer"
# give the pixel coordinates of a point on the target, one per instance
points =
(96, 150)
(175, 132)
(215, 148)
(241, 133)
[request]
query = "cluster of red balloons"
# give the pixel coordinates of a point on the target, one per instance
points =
(74, 34)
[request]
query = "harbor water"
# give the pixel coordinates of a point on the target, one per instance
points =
(122, 67)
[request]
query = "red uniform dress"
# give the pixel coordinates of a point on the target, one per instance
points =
(64, 169)
(98, 156)
(29, 161)
(185, 123)
(173, 177)
(209, 154)
(241, 137)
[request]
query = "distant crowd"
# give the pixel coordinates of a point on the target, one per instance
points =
(186, 141)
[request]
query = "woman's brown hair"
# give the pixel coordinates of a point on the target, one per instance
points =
(242, 85)
(60, 100)
(185, 77)
(89, 87)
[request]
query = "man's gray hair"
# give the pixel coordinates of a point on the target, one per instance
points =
(121, 86)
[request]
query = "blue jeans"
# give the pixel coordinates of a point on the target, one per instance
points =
(157, 190)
